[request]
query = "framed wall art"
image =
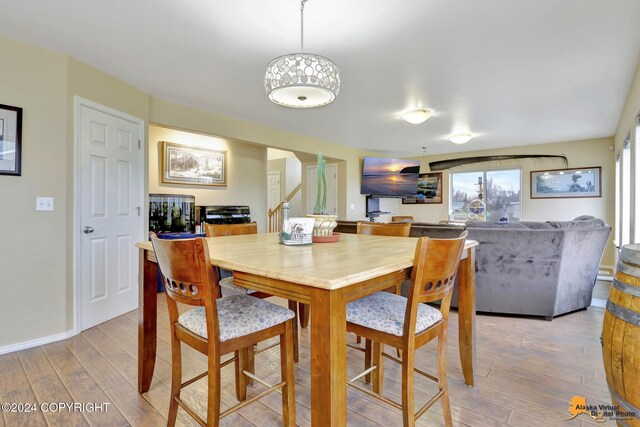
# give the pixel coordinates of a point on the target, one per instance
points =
(182, 164)
(561, 183)
(429, 190)
(10, 140)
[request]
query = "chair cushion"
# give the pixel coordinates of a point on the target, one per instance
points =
(384, 311)
(228, 283)
(238, 315)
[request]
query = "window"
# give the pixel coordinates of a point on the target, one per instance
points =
(501, 190)
(618, 214)
(625, 207)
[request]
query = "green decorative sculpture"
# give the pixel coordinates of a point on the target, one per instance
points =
(324, 222)
(321, 196)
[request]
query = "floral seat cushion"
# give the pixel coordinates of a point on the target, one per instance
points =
(384, 311)
(228, 283)
(238, 315)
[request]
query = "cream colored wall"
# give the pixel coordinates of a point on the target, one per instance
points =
(37, 249)
(293, 178)
(34, 249)
(593, 152)
(181, 117)
(246, 172)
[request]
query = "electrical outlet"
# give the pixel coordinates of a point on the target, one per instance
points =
(44, 203)
(352, 206)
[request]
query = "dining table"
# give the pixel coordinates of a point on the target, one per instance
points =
(326, 276)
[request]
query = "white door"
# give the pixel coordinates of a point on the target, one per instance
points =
(332, 188)
(109, 214)
(273, 189)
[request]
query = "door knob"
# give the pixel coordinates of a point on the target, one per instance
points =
(88, 230)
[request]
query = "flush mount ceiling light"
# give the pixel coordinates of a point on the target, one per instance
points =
(417, 116)
(460, 138)
(302, 80)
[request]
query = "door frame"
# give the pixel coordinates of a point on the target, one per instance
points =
(79, 102)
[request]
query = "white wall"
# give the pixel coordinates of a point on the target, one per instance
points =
(246, 172)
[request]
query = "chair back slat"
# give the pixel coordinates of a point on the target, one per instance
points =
(185, 268)
(381, 229)
(214, 230)
(439, 271)
(435, 266)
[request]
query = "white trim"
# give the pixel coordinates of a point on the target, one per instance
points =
(77, 103)
(37, 341)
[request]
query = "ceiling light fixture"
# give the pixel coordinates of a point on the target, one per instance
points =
(417, 116)
(460, 138)
(302, 80)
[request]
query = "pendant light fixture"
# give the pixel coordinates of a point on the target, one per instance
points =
(302, 80)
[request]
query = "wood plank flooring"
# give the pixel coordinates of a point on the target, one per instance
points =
(527, 371)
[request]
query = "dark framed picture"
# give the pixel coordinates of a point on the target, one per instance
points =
(193, 165)
(429, 190)
(10, 140)
(563, 183)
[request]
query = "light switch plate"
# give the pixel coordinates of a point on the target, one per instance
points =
(44, 203)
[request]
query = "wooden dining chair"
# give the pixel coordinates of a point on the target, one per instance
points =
(407, 324)
(384, 229)
(218, 326)
(401, 218)
(216, 230)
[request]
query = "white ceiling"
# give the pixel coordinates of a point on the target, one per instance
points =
(512, 72)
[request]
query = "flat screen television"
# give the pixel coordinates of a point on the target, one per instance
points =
(389, 177)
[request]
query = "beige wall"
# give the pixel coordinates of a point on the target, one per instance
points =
(181, 117)
(594, 152)
(246, 172)
(34, 250)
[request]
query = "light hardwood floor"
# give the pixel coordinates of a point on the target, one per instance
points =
(527, 371)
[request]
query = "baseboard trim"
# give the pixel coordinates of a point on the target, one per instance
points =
(38, 341)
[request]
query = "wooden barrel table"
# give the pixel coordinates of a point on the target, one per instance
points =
(621, 337)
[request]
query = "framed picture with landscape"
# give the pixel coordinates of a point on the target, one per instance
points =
(563, 183)
(10, 140)
(429, 190)
(193, 165)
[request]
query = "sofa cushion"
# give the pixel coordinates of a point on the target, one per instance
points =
(584, 223)
(497, 225)
(535, 225)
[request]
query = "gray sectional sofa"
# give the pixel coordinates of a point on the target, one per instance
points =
(530, 268)
(537, 268)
